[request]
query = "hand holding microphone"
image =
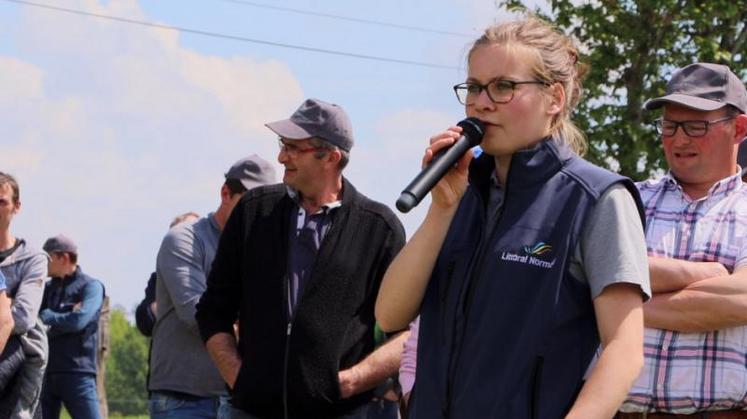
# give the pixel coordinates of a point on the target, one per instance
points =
(472, 133)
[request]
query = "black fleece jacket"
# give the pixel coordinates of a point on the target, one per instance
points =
(290, 366)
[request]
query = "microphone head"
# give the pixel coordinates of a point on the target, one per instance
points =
(473, 130)
(406, 202)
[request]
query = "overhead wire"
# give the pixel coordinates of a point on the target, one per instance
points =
(349, 18)
(231, 37)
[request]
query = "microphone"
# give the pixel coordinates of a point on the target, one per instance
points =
(472, 132)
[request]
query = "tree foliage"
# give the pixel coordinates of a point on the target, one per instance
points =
(127, 368)
(632, 47)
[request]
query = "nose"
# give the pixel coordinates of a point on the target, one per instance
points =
(282, 156)
(483, 102)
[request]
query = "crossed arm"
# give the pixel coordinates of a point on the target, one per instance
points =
(78, 318)
(695, 296)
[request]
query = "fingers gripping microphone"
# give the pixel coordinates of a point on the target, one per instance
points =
(472, 132)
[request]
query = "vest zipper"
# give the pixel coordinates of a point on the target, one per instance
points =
(475, 275)
(454, 358)
(292, 316)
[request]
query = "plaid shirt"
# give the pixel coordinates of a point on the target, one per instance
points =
(690, 372)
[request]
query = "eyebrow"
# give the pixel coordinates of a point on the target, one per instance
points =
(474, 80)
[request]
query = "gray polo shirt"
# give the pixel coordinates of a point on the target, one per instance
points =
(609, 250)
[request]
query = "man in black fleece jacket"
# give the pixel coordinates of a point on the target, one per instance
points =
(299, 265)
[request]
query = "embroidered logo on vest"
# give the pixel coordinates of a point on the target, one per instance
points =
(530, 256)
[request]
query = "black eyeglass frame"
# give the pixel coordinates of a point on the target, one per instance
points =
(658, 123)
(465, 87)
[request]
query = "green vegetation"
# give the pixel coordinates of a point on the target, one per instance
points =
(632, 47)
(126, 369)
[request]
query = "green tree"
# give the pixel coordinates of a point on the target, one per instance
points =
(632, 47)
(126, 368)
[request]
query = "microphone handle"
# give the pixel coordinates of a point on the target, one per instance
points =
(431, 174)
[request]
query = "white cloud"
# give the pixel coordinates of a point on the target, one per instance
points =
(113, 129)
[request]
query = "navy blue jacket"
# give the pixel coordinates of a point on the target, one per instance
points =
(73, 333)
(505, 331)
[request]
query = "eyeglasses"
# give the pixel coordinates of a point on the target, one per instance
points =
(294, 150)
(668, 128)
(499, 90)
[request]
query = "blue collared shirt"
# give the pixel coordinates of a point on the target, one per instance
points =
(304, 242)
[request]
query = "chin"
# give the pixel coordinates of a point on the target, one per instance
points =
(496, 151)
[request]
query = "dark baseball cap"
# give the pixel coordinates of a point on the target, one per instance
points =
(60, 243)
(316, 118)
(703, 87)
(252, 171)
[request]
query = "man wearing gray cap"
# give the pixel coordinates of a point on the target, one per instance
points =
(70, 307)
(299, 265)
(696, 232)
(183, 380)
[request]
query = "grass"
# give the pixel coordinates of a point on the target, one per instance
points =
(66, 415)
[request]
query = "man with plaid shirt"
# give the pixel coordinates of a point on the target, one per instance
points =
(696, 230)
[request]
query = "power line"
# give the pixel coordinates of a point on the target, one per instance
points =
(349, 19)
(232, 37)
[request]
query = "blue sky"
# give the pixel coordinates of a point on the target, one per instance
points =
(113, 128)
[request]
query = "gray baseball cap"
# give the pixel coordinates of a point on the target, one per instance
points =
(252, 171)
(316, 118)
(60, 243)
(703, 87)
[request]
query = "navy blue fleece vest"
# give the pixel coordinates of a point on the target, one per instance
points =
(71, 352)
(505, 331)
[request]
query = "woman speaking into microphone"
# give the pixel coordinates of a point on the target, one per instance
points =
(529, 257)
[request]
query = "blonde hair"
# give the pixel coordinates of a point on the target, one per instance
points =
(556, 62)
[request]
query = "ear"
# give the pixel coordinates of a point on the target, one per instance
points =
(334, 157)
(225, 193)
(556, 99)
(740, 129)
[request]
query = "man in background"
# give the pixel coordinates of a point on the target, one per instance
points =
(696, 234)
(299, 266)
(183, 380)
(25, 270)
(70, 308)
